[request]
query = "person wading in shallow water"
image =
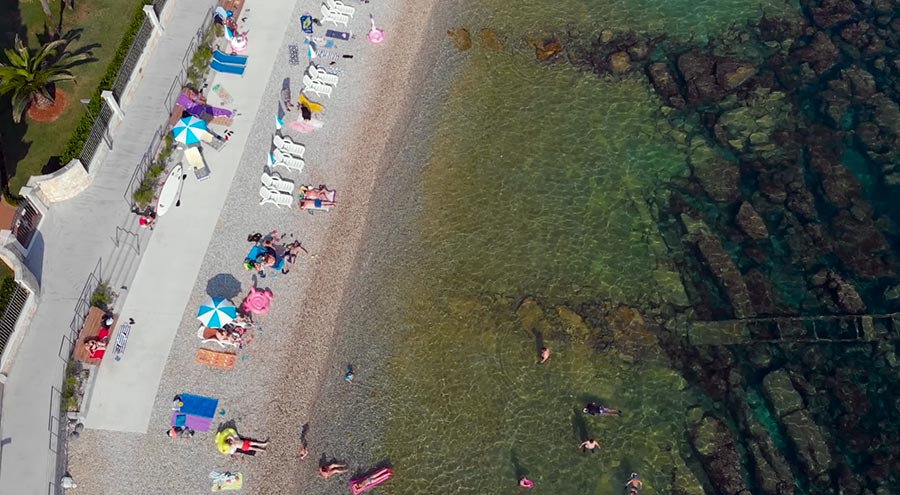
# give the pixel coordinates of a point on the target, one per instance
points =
(589, 445)
(545, 355)
(634, 484)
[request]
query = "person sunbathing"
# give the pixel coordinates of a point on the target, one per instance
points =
(321, 192)
(95, 348)
(237, 443)
(230, 337)
(331, 469)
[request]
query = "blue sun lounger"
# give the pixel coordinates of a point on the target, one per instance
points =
(227, 68)
(229, 59)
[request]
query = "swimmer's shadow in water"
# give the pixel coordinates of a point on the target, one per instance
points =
(520, 470)
(579, 425)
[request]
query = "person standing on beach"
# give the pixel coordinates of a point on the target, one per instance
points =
(545, 355)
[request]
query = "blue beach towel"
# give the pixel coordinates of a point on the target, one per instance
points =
(306, 23)
(255, 252)
(198, 405)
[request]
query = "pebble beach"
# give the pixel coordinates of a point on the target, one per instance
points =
(273, 389)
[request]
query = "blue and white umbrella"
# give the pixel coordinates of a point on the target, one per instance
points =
(190, 130)
(217, 312)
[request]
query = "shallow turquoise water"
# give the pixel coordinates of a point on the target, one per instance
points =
(537, 180)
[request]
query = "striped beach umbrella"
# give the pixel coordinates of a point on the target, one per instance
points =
(217, 312)
(190, 130)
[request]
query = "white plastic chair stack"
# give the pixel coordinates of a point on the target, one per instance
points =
(322, 76)
(277, 184)
(287, 145)
(334, 16)
(287, 161)
(274, 197)
(316, 87)
(339, 7)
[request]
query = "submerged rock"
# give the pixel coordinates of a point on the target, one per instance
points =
(751, 222)
(547, 48)
(722, 267)
(809, 443)
(781, 393)
(573, 323)
(665, 84)
(620, 63)
(837, 291)
(714, 443)
(490, 40)
(461, 38)
(716, 175)
(731, 74)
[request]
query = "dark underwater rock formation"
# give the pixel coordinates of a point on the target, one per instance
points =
(750, 221)
(713, 441)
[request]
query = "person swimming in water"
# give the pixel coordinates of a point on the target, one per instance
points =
(524, 482)
(545, 355)
(634, 483)
(589, 445)
(595, 409)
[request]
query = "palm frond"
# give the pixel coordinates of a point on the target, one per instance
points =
(19, 104)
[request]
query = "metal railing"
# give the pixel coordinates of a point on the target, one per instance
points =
(26, 222)
(11, 314)
(131, 60)
(99, 133)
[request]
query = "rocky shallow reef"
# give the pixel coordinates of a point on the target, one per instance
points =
(792, 131)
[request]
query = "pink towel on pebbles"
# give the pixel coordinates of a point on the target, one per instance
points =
(306, 126)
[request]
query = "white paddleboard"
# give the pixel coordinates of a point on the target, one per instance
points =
(171, 190)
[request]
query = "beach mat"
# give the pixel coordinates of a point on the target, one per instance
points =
(192, 422)
(224, 95)
(215, 359)
(220, 485)
(198, 405)
(338, 35)
(321, 43)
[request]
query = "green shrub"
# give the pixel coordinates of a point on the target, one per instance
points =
(144, 194)
(6, 291)
(83, 129)
(154, 172)
(102, 296)
(70, 387)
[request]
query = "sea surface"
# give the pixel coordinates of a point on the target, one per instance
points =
(526, 213)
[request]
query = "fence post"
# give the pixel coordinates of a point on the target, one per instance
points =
(151, 15)
(113, 104)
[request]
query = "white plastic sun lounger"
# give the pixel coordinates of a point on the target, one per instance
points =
(315, 86)
(287, 145)
(287, 161)
(274, 197)
(339, 7)
(276, 183)
(334, 16)
(322, 75)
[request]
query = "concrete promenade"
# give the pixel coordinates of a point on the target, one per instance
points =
(125, 390)
(75, 235)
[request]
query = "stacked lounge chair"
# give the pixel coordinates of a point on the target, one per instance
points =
(228, 64)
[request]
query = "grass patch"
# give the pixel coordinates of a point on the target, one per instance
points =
(32, 148)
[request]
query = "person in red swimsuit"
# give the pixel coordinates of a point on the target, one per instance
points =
(246, 445)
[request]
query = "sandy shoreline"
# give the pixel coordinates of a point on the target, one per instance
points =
(271, 392)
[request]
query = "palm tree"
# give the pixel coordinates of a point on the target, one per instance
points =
(30, 75)
(45, 5)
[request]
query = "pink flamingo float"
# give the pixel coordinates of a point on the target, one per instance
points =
(258, 301)
(375, 35)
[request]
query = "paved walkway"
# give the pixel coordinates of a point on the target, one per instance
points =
(125, 390)
(73, 237)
